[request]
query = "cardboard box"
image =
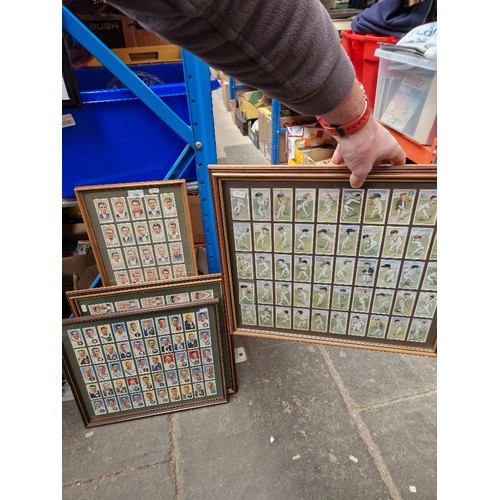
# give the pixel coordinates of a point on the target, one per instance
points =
(304, 137)
(117, 31)
(265, 131)
(78, 273)
(233, 106)
(74, 268)
(223, 92)
(225, 89)
(215, 73)
(196, 220)
(250, 102)
(152, 54)
(314, 156)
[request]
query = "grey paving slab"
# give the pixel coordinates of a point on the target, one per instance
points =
(406, 435)
(233, 148)
(246, 154)
(154, 482)
(372, 376)
(110, 449)
(284, 392)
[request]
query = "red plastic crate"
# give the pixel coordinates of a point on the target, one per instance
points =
(361, 52)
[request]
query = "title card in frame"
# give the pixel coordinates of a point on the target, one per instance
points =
(139, 232)
(343, 266)
(119, 373)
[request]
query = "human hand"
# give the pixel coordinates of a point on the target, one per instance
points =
(361, 150)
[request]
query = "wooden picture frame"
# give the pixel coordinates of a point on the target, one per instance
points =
(139, 232)
(131, 298)
(306, 257)
(118, 375)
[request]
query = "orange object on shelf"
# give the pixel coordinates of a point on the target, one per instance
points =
(414, 151)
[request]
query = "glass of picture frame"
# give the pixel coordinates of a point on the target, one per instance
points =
(132, 298)
(118, 371)
(139, 232)
(306, 257)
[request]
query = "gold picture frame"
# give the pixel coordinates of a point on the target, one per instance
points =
(306, 257)
(117, 373)
(139, 232)
(132, 298)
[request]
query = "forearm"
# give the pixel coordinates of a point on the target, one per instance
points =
(288, 49)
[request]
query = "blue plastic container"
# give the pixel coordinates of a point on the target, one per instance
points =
(117, 138)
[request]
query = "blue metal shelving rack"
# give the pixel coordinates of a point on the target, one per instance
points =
(199, 135)
(275, 124)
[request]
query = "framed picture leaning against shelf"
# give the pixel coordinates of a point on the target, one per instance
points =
(139, 232)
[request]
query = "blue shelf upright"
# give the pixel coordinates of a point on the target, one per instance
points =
(201, 114)
(276, 131)
(233, 86)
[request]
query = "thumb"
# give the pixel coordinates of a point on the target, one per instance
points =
(356, 180)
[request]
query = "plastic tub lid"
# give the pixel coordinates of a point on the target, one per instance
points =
(406, 57)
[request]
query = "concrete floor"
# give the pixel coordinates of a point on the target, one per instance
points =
(308, 422)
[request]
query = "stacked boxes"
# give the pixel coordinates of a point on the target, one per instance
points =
(250, 102)
(226, 97)
(266, 132)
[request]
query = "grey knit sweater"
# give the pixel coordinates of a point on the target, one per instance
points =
(289, 49)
